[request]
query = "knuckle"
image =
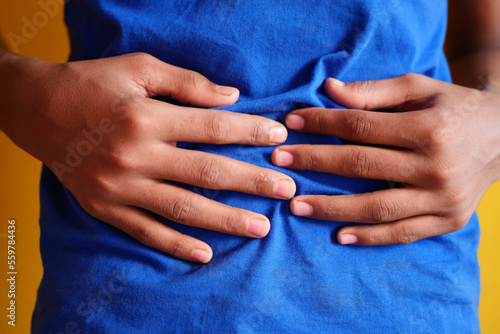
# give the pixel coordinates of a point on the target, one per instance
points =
(436, 138)
(442, 173)
(458, 222)
(439, 177)
(134, 122)
(176, 247)
(373, 239)
(382, 210)
(180, 209)
(413, 86)
(230, 223)
(363, 87)
(141, 57)
(121, 160)
(405, 235)
(357, 163)
(145, 234)
(92, 206)
(140, 62)
(124, 107)
(218, 129)
(441, 115)
(104, 186)
(261, 183)
(255, 136)
(411, 77)
(209, 172)
(320, 123)
(330, 212)
(193, 80)
(455, 200)
(360, 126)
(305, 161)
(413, 82)
(431, 137)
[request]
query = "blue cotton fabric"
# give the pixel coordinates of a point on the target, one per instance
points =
(298, 279)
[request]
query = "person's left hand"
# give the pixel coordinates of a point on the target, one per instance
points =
(439, 141)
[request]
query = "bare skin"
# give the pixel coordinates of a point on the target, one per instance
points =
(446, 154)
(442, 163)
(445, 139)
(60, 107)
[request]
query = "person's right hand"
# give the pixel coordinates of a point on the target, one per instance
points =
(123, 144)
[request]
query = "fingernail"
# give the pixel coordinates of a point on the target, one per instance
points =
(278, 134)
(337, 82)
(283, 158)
(225, 90)
(200, 255)
(347, 239)
(257, 227)
(284, 189)
(302, 209)
(295, 122)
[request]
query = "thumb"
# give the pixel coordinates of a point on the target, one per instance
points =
(185, 86)
(402, 93)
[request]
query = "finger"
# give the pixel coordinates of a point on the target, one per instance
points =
(403, 93)
(185, 207)
(214, 126)
(351, 160)
(152, 233)
(189, 87)
(397, 233)
(377, 207)
(377, 128)
(218, 172)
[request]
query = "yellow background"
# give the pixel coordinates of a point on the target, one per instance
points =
(19, 194)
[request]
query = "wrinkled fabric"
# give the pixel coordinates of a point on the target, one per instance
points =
(298, 279)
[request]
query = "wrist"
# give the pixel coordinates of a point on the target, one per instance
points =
(7, 61)
(5, 58)
(9, 76)
(18, 76)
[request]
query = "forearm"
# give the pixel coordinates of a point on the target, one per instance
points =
(7, 81)
(4, 73)
(19, 84)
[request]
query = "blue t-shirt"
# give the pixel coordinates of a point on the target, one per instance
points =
(298, 279)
